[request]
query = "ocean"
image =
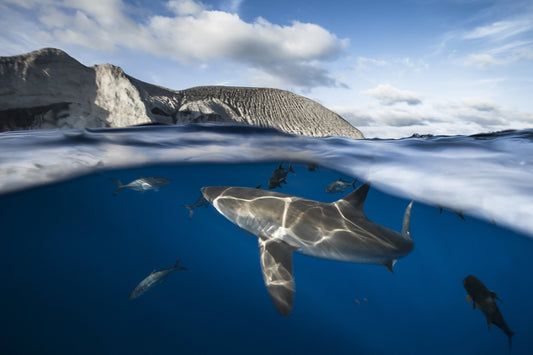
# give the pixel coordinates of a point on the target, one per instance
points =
(72, 251)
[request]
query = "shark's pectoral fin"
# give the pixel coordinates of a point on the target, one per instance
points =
(276, 264)
(469, 299)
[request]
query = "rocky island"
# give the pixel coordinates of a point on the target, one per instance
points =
(48, 89)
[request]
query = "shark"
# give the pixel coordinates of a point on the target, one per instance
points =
(142, 184)
(339, 186)
(285, 224)
(154, 277)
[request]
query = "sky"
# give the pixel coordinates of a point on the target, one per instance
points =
(391, 68)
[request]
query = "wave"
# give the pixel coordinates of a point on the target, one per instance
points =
(487, 176)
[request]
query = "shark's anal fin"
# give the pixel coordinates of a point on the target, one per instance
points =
(389, 264)
(276, 264)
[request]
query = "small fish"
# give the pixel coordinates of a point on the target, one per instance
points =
(152, 279)
(312, 166)
(201, 202)
(485, 300)
(278, 177)
(142, 184)
(339, 186)
(359, 302)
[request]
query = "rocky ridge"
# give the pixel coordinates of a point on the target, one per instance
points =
(49, 89)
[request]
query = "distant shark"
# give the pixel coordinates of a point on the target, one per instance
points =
(152, 279)
(142, 184)
(284, 224)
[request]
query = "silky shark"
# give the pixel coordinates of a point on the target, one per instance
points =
(284, 224)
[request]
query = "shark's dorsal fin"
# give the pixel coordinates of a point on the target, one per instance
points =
(357, 197)
(276, 264)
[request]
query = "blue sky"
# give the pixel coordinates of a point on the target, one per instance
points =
(392, 68)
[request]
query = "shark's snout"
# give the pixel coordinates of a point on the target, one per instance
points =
(212, 192)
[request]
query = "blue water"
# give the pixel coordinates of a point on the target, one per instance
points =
(72, 252)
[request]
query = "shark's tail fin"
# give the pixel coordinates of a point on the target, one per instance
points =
(291, 169)
(353, 183)
(177, 266)
(406, 227)
(119, 186)
(191, 210)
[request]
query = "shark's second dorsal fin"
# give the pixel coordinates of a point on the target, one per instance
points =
(276, 264)
(357, 197)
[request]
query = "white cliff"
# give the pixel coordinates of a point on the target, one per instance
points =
(49, 89)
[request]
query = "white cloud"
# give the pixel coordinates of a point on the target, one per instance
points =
(389, 95)
(500, 30)
(484, 105)
(186, 7)
(502, 38)
(364, 63)
(232, 6)
(192, 33)
(483, 60)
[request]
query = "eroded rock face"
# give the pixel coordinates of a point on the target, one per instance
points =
(49, 89)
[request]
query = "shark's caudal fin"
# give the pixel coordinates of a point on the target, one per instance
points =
(291, 169)
(406, 227)
(119, 186)
(191, 210)
(276, 264)
(357, 197)
(177, 266)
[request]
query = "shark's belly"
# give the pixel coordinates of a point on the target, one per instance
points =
(348, 255)
(356, 248)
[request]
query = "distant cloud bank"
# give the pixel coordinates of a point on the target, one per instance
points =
(389, 95)
(457, 117)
